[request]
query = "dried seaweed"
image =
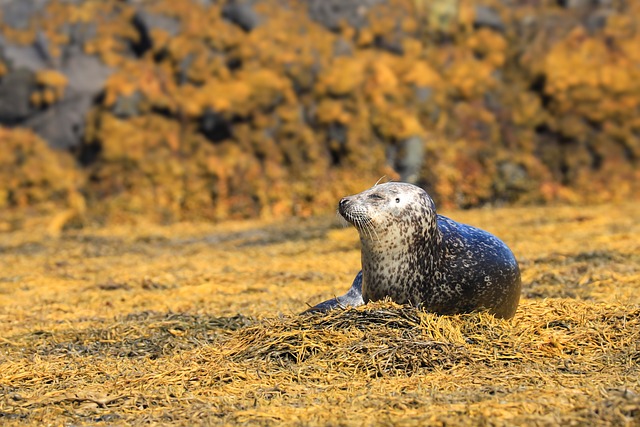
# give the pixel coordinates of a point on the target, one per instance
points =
(208, 334)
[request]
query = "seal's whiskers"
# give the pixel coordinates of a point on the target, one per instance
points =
(371, 228)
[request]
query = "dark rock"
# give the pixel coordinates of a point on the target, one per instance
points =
(330, 13)
(488, 17)
(183, 68)
(513, 180)
(15, 92)
(391, 43)
(127, 106)
(492, 101)
(42, 47)
(144, 43)
(62, 124)
(18, 13)
(407, 158)
(22, 57)
(271, 132)
(241, 14)
(426, 104)
(144, 22)
(206, 3)
(423, 93)
(86, 74)
(597, 20)
(155, 21)
(342, 47)
(514, 174)
(338, 132)
(576, 4)
(80, 32)
(215, 126)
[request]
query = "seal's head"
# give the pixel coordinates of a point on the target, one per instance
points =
(394, 207)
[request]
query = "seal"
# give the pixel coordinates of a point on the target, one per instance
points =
(415, 256)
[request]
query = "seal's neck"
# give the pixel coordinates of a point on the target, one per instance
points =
(401, 258)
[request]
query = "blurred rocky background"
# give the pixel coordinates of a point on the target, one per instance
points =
(212, 109)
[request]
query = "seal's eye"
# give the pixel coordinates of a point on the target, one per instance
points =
(397, 199)
(375, 196)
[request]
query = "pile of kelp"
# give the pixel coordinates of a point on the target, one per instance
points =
(197, 324)
(230, 109)
(560, 361)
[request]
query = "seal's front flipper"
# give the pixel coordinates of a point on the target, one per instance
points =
(352, 298)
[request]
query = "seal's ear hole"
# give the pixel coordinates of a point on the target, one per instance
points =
(397, 199)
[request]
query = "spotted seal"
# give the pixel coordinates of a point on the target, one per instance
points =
(415, 256)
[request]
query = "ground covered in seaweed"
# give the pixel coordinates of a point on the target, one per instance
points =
(197, 324)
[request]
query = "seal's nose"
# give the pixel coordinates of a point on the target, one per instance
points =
(343, 203)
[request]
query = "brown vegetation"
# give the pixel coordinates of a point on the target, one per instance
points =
(537, 104)
(197, 324)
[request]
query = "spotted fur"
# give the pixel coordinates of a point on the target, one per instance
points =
(415, 256)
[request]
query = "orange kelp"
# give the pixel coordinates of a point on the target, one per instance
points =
(197, 324)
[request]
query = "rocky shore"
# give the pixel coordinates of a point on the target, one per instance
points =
(270, 108)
